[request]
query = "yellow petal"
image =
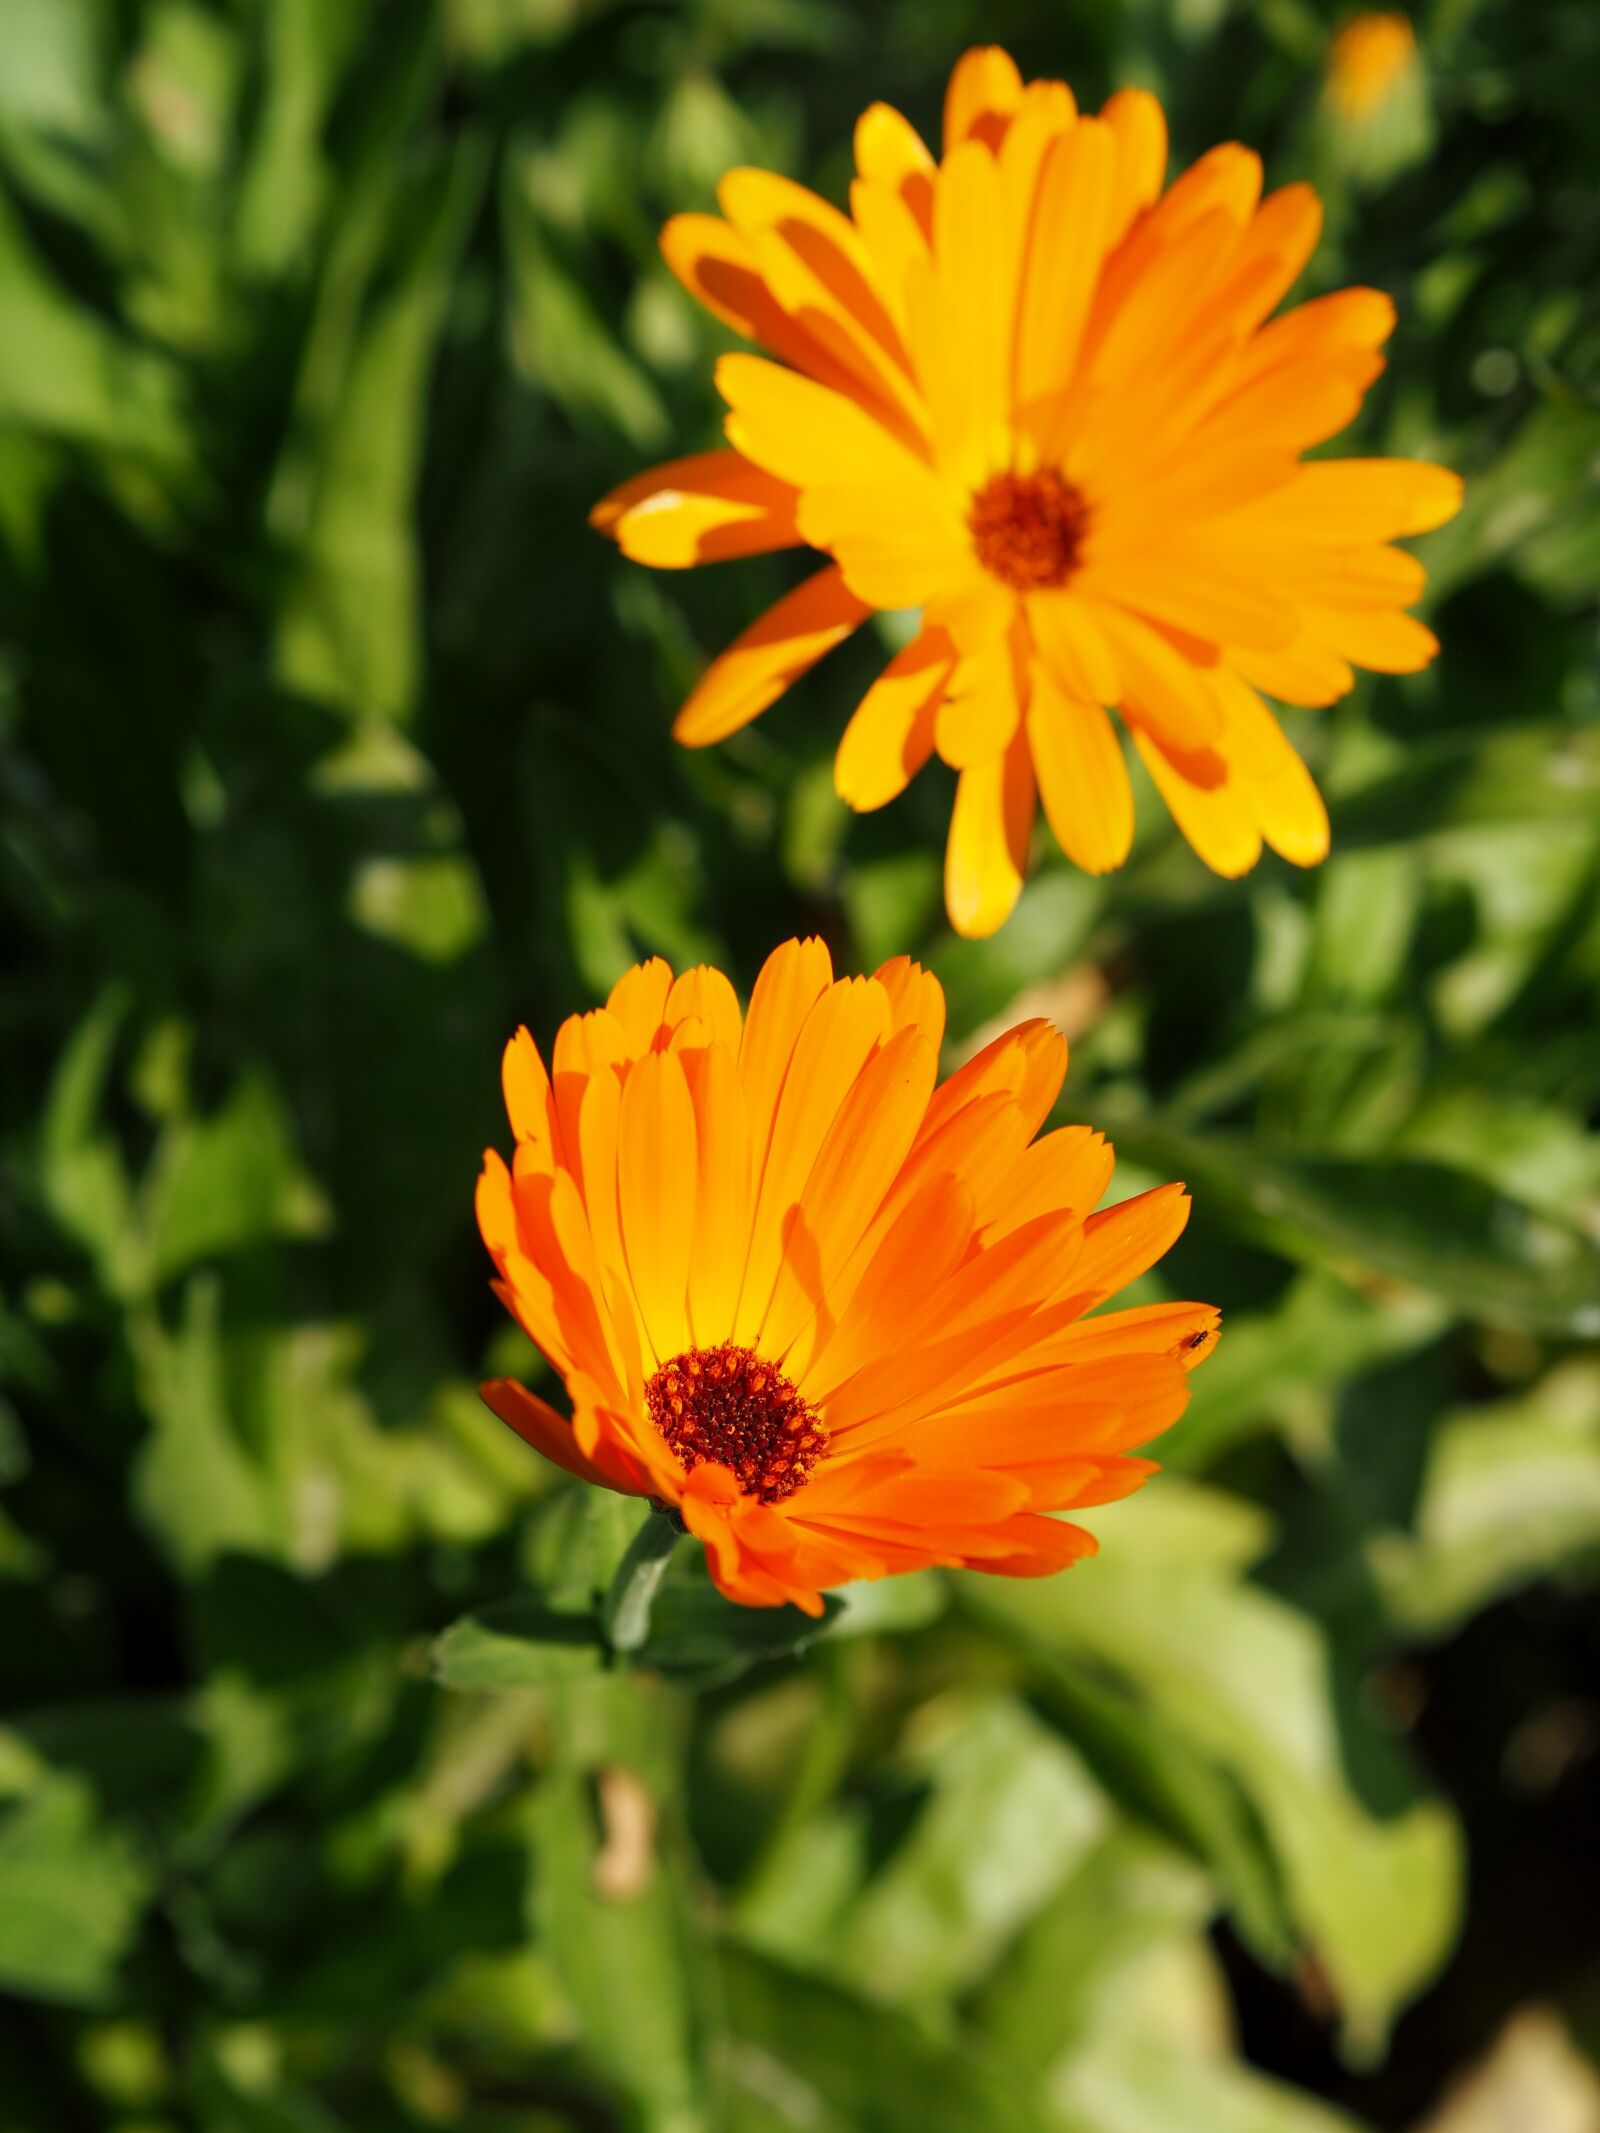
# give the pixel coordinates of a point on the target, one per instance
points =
(1160, 687)
(1070, 229)
(1286, 803)
(1083, 780)
(889, 148)
(982, 708)
(808, 433)
(987, 850)
(1217, 822)
(898, 546)
(1073, 646)
(985, 88)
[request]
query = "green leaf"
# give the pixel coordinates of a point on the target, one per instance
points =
(1137, 2083)
(221, 1183)
(517, 1644)
(65, 373)
(621, 1940)
(71, 1892)
(1510, 1493)
(1083, 1962)
(348, 629)
(934, 1919)
(809, 2055)
(1246, 1681)
(195, 1483)
(1491, 1256)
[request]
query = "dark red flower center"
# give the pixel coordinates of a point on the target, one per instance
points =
(1028, 529)
(726, 1404)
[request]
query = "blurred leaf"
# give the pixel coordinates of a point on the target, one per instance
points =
(619, 1936)
(1135, 2084)
(1078, 1965)
(933, 1920)
(1490, 1256)
(807, 2054)
(196, 1484)
(1530, 773)
(71, 1893)
(1510, 1492)
(64, 372)
(1247, 1681)
(348, 628)
(220, 1183)
(517, 1644)
(1272, 1365)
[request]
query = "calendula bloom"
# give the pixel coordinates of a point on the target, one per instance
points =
(1027, 394)
(833, 1315)
(1371, 53)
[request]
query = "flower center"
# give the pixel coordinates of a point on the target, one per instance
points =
(726, 1404)
(1028, 528)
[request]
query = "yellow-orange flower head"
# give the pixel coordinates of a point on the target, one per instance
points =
(1370, 54)
(836, 1316)
(1028, 394)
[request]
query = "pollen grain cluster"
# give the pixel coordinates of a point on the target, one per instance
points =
(1027, 529)
(726, 1404)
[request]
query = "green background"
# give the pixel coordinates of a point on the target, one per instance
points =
(332, 745)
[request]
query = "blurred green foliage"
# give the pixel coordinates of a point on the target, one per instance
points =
(331, 746)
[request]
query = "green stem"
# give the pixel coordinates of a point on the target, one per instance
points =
(625, 1616)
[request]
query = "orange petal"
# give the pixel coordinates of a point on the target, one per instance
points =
(705, 995)
(916, 998)
(792, 980)
(860, 1155)
(699, 510)
(839, 1035)
(638, 1001)
(656, 1159)
(529, 1103)
(890, 734)
(1139, 129)
(1040, 1547)
(1125, 1241)
(773, 652)
(540, 1426)
(723, 1191)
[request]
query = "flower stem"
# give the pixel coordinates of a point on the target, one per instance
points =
(625, 1617)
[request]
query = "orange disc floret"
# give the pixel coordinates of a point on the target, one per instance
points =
(843, 1318)
(1027, 392)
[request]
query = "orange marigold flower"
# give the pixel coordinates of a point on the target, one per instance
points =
(1026, 392)
(831, 1314)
